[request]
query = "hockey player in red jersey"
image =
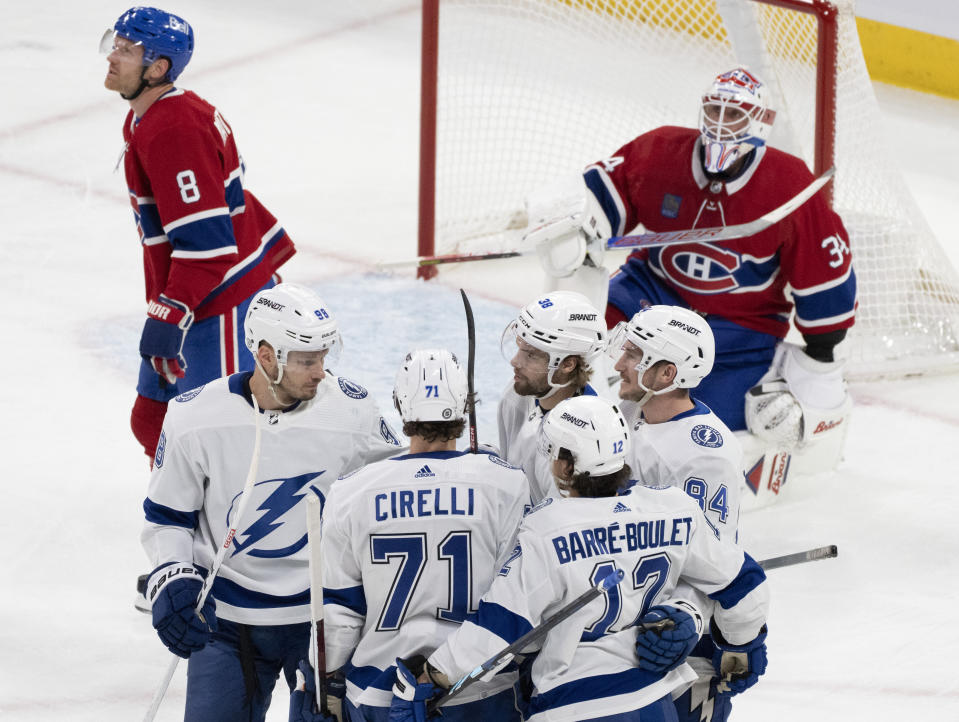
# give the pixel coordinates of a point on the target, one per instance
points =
(208, 244)
(723, 173)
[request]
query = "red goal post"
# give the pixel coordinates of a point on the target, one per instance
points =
(518, 93)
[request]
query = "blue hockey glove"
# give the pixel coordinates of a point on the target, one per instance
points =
(303, 698)
(173, 590)
(409, 698)
(665, 647)
(738, 665)
(161, 342)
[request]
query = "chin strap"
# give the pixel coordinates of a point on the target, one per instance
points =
(271, 384)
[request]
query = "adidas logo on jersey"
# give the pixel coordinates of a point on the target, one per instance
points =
(425, 471)
(620, 506)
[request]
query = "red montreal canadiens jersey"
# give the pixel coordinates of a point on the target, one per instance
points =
(207, 242)
(657, 180)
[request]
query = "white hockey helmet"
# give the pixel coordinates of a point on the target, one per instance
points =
(668, 333)
(430, 386)
(593, 430)
(561, 323)
(290, 318)
(734, 118)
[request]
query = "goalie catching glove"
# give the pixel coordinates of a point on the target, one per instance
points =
(161, 342)
(173, 589)
(569, 232)
(676, 629)
(798, 399)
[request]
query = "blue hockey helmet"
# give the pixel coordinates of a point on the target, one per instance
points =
(162, 35)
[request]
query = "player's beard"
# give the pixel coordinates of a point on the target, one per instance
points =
(525, 387)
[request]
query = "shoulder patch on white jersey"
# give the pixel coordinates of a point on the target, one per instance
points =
(501, 462)
(706, 436)
(387, 433)
(542, 505)
(161, 451)
(191, 394)
(352, 389)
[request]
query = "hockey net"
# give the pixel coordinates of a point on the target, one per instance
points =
(529, 91)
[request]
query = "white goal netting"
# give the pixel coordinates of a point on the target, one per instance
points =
(530, 91)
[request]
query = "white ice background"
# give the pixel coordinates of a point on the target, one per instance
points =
(323, 98)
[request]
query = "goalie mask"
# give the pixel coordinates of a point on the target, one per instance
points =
(290, 318)
(430, 386)
(162, 35)
(666, 333)
(734, 118)
(593, 430)
(561, 324)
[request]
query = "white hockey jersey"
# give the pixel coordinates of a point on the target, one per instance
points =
(202, 461)
(587, 664)
(521, 440)
(409, 546)
(695, 452)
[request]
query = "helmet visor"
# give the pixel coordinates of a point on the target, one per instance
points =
(109, 44)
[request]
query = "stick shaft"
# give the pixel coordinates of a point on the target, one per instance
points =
(470, 365)
(786, 560)
(314, 511)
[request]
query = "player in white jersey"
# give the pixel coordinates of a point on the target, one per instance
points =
(411, 543)
(315, 427)
(587, 666)
(662, 353)
(552, 346)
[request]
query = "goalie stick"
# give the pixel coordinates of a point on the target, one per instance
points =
(314, 511)
(504, 656)
(470, 363)
(218, 560)
(649, 239)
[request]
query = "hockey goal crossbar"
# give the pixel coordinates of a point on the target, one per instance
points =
(649, 239)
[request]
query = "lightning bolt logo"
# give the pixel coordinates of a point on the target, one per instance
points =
(287, 495)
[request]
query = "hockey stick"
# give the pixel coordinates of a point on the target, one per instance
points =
(787, 560)
(314, 510)
(503, 657)
(218, 560)
(471, 361)
(650, 239)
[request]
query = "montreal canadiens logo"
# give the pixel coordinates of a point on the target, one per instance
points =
(352, 389)
(189, 395)
(700, 267)
(706, 436)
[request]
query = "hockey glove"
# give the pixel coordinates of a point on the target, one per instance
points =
(173, 591)
(673, 637)
(738, 665)
(161, 342)
(303, 698)
(409, 698)
(797, 399)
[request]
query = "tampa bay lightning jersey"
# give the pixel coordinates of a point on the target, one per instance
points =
(202, 461)
(587, 664)
(696, 452)
(521, 440)
(409, 546)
